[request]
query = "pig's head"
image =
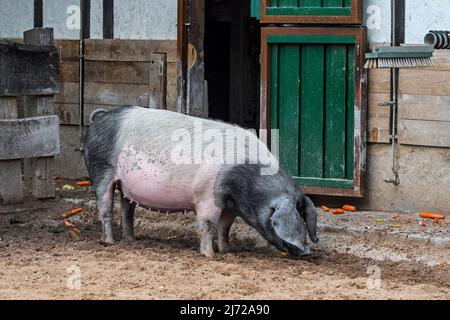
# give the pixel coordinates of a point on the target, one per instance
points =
(286, 219)
(274, 206)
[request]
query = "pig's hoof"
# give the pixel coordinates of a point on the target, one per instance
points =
(107, 242)
(128, 239)
(208, 253)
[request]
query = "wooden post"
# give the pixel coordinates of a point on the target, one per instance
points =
(158, 81)
(39, 171)
(11, 189)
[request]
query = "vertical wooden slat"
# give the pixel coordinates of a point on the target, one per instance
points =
(310, 3)
(287, 3)
(311, 137)
(11, 189)
(38, 14)
(289, 59)
(334, 160)
(333, 3)
(274, 109)
(158, 81)
(350, 121)
(108, 19)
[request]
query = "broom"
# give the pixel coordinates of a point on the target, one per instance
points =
(407, 56)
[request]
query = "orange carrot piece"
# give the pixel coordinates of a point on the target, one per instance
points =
(349, 208)
(72, 212)
(429, 215)
(325, 208)
(86, 183)
(338, 211)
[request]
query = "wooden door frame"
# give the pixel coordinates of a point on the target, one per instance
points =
(360, 98)
(182, 44)
(354, 18)
(192, 89)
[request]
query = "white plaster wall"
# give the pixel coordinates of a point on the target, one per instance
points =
(16, 16)
(157, 19)
(377, 19)
(423, 16)
(145, 19)
(63, 16)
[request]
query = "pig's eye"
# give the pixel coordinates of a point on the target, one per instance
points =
(272, 211)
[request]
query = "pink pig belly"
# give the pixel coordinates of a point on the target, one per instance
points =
(151, 185)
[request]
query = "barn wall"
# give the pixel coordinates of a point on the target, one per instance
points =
(424, 120)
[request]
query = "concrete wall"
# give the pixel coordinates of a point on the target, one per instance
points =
(16, 16)
(134, 19)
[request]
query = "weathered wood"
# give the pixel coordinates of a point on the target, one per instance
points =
(425, 82)
(39, 36)
(29, 137)
(69, 112)
(105, 93)
(431, 108)
(107, 72)
(28, 69)
(129, 50)
(441, 60)
(424, 133)
(39, 172)
(379, 118)
(158, 81)
(11, 189)
(379, 81)
(196, 91)
(69, 50)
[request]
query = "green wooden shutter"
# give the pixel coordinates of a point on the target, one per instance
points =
(312, 89)
(311, 11)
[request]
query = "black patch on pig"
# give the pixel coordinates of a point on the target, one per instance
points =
(99, 145)
(252, 193)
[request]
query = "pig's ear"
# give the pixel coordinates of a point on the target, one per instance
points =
(310, 216)
(288, 225)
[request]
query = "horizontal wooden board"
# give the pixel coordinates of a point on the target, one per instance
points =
(129, 50)
(69, 113)
(425, 82)
(424, 133)
(441, 60)
(107, 72)
(418, 107)
(105, 93)
(379, 81)
(68, 50)
(29, 137)
(117, 50)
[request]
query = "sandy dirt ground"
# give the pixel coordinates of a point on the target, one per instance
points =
(41, 259)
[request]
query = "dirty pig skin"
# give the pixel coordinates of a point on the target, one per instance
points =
(135, 150)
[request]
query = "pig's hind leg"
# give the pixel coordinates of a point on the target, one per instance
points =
(127, 212)
(223, 230)
(105, 199)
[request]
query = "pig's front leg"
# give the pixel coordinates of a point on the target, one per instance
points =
(127, 210)
(223, 230)
(207, 218)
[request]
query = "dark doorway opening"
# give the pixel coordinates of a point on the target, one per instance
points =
(232, 47)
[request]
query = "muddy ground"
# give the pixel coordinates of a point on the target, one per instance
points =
(40, 259)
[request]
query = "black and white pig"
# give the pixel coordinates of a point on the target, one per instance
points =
(166, 161)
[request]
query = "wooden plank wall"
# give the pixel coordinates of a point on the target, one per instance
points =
(424, 106)
(117, 74)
